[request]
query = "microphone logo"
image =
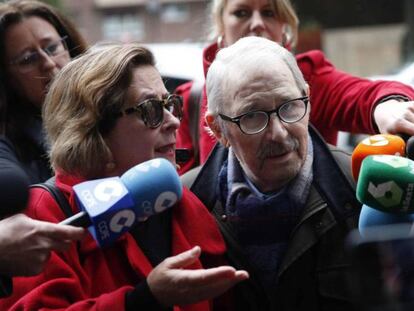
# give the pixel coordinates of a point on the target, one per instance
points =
(122, 220)
(388, 194)
(164, 201)
(107, 190)
(376, 140)
(395, 162)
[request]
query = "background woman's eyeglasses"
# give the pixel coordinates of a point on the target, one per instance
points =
(151, 111)
(29, 61)
(254, 122)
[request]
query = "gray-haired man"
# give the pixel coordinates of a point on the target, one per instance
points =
(281, 199)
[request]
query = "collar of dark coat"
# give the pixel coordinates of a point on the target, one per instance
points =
(332, 186)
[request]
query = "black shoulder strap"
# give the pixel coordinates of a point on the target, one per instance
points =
(194, 105)
(50, 186)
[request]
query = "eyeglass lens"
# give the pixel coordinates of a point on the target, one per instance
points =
(289, 112)
(28, 61)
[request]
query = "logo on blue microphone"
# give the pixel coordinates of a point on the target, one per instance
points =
(108, 190)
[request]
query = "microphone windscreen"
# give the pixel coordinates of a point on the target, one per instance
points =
(371, 217)
(375, 145)
(386, 183)
(153, 185)
(14, 190)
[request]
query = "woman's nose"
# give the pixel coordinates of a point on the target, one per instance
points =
(257, 23)
(170, 121)
(46, 61)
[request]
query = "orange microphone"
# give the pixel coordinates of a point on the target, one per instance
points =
(376, 145)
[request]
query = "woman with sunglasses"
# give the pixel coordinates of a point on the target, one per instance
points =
(36, 41)
(339, 101)
(106, 112)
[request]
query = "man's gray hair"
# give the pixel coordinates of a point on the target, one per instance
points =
(246, 55)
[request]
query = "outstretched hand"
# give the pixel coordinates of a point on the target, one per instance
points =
(395, 117)
(25, 243)
(172, 284)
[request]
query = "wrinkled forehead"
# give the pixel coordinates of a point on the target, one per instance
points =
(259, 82)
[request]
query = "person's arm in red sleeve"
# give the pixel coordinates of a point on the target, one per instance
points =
(340, 101)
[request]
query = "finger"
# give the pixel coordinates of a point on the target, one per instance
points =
(61, 232)
(212, 275)
(405, 127)
(184, 259)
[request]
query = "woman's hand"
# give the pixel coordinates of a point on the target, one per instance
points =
(395, 117)
(172, 284)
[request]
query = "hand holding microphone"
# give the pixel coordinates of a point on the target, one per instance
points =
(110, 206)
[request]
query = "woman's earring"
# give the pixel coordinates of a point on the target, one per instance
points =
(220, 41)
(287, 37)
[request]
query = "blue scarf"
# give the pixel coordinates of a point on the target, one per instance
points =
(263, 222)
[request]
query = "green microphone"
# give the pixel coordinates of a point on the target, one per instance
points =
(386, 183)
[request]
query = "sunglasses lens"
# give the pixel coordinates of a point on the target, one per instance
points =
(175, 106)
(152, 112)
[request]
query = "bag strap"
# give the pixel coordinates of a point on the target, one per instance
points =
(50, 186)
(194, 107)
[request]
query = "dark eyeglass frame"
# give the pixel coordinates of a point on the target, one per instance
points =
(236, 120)
(19, 60)
(164, 103)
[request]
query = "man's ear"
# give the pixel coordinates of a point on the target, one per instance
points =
(216, 129)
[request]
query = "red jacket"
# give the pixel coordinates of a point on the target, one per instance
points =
(104, 276)
(339, 101)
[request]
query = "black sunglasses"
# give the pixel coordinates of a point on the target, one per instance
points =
(151, 111)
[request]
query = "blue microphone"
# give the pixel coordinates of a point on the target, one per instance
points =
(110, 206)
(371, 217)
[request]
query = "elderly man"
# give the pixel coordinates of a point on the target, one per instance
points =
(280, 195)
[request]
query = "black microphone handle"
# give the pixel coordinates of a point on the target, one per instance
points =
(80, 219)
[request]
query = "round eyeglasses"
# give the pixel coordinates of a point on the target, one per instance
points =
(29, 61)
(151, 111)
(254, 122)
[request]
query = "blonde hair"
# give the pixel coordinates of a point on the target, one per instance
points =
(284, 11)
(83, 103)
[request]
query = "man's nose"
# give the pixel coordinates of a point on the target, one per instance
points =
(257, 23)
(276, 128)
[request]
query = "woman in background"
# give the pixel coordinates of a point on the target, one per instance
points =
(36, 41)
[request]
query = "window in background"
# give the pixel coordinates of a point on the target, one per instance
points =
(175, 13)
(123, 27)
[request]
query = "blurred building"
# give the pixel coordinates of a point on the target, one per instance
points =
(140, 20)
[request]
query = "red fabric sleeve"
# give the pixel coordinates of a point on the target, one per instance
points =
(63, 284)
(184, 133)
(340, 101)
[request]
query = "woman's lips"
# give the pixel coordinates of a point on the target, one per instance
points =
(166, 149)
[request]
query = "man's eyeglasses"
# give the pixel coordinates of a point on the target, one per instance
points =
(254, 122)
(151, 111)
(29, 61)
